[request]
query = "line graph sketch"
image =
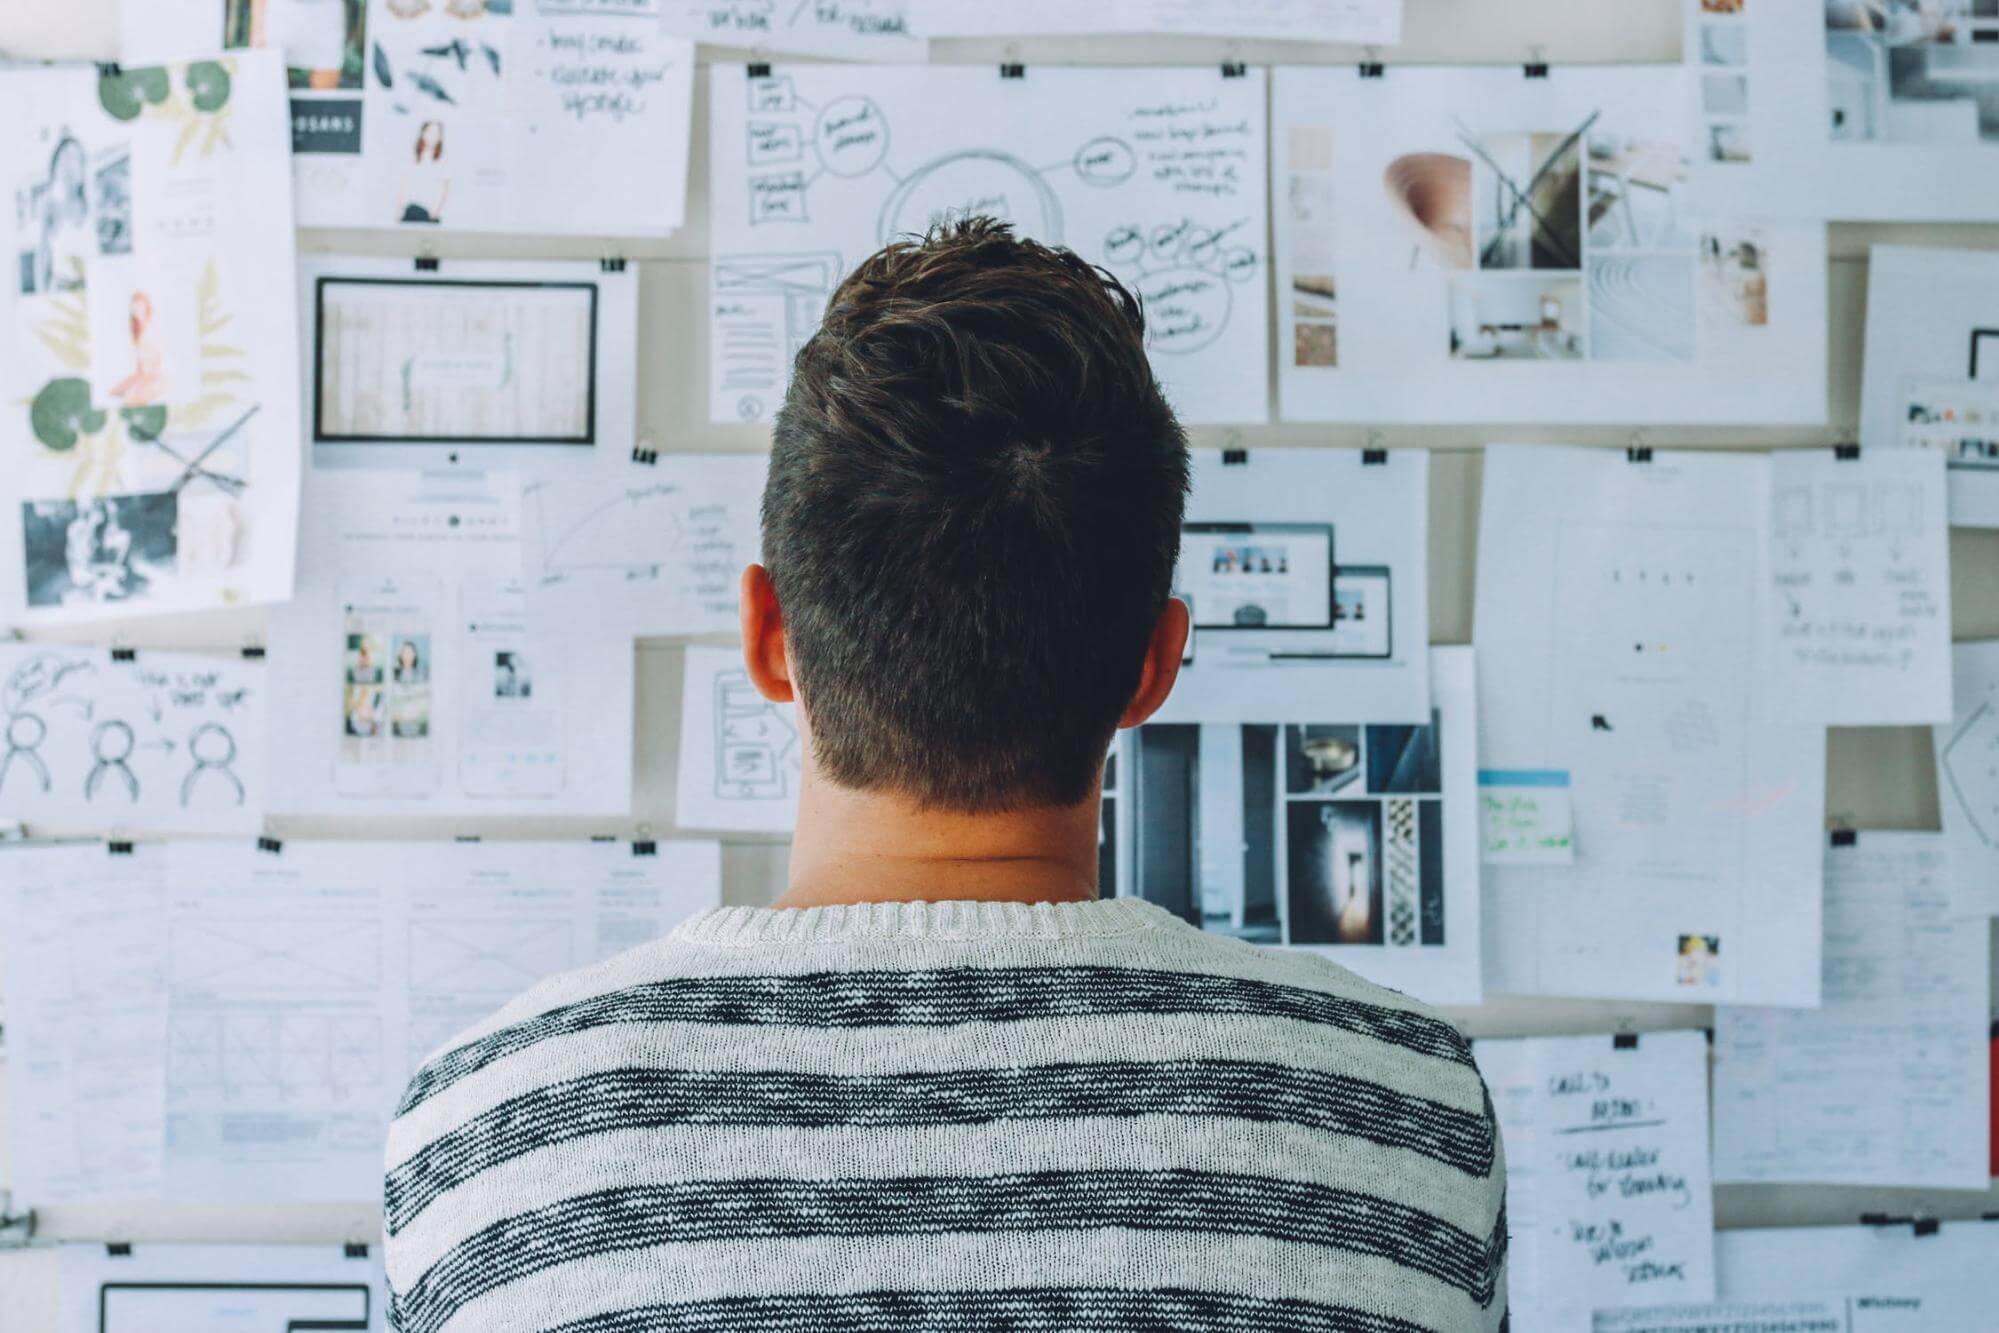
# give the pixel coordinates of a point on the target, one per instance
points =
(499, 957)
(247, 954)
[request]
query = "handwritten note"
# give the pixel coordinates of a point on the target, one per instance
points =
(1860, 563)
(843, 29)
(1526, 818)
(1608, 1193)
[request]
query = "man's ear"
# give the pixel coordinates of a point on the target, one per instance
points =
(763, 638)
(1163, 655)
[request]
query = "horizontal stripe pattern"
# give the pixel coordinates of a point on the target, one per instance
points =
(942, 998)
(1100, 1310)
(625, 1099)
(626, 1219)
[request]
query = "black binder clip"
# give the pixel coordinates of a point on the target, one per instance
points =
(1234, 457)
(759, 70)
(645, 454)
(1013, 71)
(1535, 69)
(1926, 1226)
(271, 846)
(646, 848)
(1846, 453)
(603, 837)
(1373, 457)
(426, 263)
(1234, 69)
(1624, 1041)
(1372, 69)
(17, 1229)
(253, 652)
(466, 837)
(109, 69)
(118, 848)
(1845, 837)
(1638, 453)
(124, 654)
(611, 264)
(356, 1249)
(118, 1249)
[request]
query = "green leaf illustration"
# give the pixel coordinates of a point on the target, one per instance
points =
(61, 412)
(208, 85)
(145, 423)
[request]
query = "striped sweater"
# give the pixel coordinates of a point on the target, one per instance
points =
(943, 1117)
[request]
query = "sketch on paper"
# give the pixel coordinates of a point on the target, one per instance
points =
(741, 756)
(756, 746)
(850, 29)
(1151, 173)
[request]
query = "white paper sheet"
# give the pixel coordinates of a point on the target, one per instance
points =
(530, 116)
(220, 1289)
(638, 548)
(162, 742)
(1860, 555)
(151, 344)
(1378, 22)
(1608, 1197)
(842, 29)
(416, 682)
(1868, 1279)
(1158, 174)
(1620, 629)
(1306, 572)
(86, 1021)
(1359, 842)
(1888, 1083)
(740, 755)
(1967, 754)
(475, 364)
(1932, 366)
(1832, 109)
(1526, 818)
(1467, 244)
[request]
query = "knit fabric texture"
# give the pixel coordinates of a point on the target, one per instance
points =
(950, 1116)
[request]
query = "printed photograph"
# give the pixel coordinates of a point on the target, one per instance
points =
(1315, 311)
(1700, 961)
(113, 548)
(1204, 826)
(1912, 71)
(363, 711)
(1431, 193)
(325, 38)
(1321, 760)
(409, 691)
(1641, 307)
(511, 678)
(1725, 94)
(1334, 856)
(52, 221)
(1637, 190)
(1724, 44)
(1517, 317)
(366, 658)
(1405, 760)
(1728, 142)
(1721, 6)
(1529, 193)
(1734, 281)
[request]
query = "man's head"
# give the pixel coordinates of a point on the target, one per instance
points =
(971, 524)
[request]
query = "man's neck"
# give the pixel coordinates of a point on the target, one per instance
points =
(869, 847)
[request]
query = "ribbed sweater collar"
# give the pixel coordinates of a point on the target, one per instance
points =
(958, 920)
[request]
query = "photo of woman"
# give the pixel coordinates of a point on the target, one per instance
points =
(147, 382)
(428, 185)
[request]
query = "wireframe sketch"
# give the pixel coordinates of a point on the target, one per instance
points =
(1912, 71)
(266, 954)
(765, 310)
(756, 747)
(111, 744)
(234, 1052)
(213, 750)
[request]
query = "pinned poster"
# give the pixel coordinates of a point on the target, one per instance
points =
(134, 742)
(1526, 818)
(1156, 174)
(837, 29)
(1861, 111)
(1467, 244)
(148, 1288)
(1967, 756)
(152, 368)
(740, 754)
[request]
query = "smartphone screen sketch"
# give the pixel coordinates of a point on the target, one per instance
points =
(385, 687)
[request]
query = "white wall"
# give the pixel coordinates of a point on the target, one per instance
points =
(1880, 778)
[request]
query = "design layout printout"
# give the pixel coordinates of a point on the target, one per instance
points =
(1620, 624)
(1832, 108)
(1608, 1199)
(1360, 842)
(1932, 377)
(151, 375)
(1306, 574)
(209, 1288)
(1468, 244)
(1869, 1279)
(157, 742)
(85, 992)
(419, 684)
(740, 754)
(638, 548)
(481, 365)
(1157, 174)
(1887, 1083)
(475, 115)
(842, 29)
(1860, 558)
(1968, 781)
(1368, 21)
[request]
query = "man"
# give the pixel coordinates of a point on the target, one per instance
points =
(941, 1086)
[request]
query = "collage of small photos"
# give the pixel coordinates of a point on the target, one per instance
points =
(1588, 558)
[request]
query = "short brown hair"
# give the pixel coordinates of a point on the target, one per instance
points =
(972, 519)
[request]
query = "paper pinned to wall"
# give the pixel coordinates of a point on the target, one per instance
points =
(169, 1288)
(419, 683)
(1157, 174)
(85, 992)
(1306, 572)
(1378, 22)
(1526, 818)
(643, 547)
(841, 29)
(1608, 1197)
(1967, 756)
(155, 742)
(1806, 1096)
(740, 754)
(1860, 556)
(1621, 619)
(151, 369)
(1487, 247)
(1932, 366)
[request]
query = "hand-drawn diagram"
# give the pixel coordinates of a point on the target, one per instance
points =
(492, 954)
(221, 1053)
(212, 952)
(756, 746)
(1151, 173)
(163, 741)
